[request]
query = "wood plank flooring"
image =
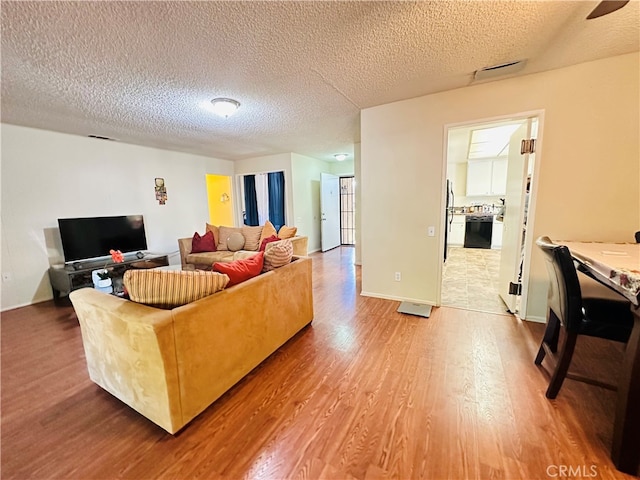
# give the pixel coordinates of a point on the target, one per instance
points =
(363, 393)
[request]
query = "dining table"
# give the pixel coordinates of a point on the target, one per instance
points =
(617, 266)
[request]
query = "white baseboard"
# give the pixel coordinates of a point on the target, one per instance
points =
(26, 304)
(397, 299)
(535, 319)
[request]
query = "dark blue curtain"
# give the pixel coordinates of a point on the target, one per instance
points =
(276, 198)
(250, 201)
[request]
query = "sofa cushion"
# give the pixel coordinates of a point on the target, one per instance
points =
(267, 230)
(235, 241)
(241, 270)
(171, 288)
(243, 254)
(204, 243)
(251, 237)
(287, 232)
(278, 255)
(272, 238)
(214, 229)
(225, 233)
(208, 258)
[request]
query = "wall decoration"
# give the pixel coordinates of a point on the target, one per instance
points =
(161, 191)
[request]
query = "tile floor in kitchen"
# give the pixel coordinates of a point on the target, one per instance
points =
(470, 279)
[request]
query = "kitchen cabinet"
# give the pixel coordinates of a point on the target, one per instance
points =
(478, 177)
(456, 231)
(496, 233)
(486, 177)
(499, 177)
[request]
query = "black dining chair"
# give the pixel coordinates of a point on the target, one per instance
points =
(597, 316)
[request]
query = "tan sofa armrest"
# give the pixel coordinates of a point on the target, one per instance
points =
(299, 245)
(130, 352)
(184, 245)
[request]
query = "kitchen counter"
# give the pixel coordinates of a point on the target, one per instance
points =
(475, 214)
(477, 210)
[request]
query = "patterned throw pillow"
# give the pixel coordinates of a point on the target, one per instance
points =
(171, 288)
(272, 238)
(204, 243)
(251, 237)
(225, 233)
(235, 242)
(267, 230)
(241, 270)
(278, 255)
(287, 232)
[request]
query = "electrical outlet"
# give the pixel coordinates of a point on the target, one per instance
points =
(432, 231)
(398, 277)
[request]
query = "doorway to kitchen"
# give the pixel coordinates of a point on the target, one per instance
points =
(486, 174)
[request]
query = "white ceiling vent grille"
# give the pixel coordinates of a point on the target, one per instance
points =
(100, 137)
(499, 70)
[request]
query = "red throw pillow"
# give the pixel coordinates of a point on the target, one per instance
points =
(205, 243)
(272, 238)
(241, 270)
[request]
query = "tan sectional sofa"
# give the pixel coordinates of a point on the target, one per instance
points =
(170, 365)
(204, 260)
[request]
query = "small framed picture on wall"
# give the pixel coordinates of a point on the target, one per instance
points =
(161, 191)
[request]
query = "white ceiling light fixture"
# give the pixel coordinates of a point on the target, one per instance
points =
(225, 107)
(340, 156)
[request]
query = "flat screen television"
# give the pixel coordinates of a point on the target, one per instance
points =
(93, 237)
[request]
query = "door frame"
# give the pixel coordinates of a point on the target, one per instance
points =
(531, 214)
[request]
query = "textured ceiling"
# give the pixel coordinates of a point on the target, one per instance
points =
(139, 72)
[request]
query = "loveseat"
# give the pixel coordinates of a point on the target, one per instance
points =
(203, 260)
(171, 364)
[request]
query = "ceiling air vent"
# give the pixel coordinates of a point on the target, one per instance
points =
(101, 138)
(498, 70)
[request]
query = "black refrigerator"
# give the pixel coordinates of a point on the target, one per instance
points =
(448, 214)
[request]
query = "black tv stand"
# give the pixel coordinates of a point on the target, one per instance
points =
(67, 278)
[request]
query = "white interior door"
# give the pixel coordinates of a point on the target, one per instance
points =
(330, 211)
(512, 234)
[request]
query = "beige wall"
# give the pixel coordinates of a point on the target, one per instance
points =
(588, 186)
(342, 169)
(306, 196)
(48, 175)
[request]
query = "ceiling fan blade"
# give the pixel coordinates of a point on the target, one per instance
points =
(607, 6)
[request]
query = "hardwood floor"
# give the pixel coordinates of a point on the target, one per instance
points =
(363, 393)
